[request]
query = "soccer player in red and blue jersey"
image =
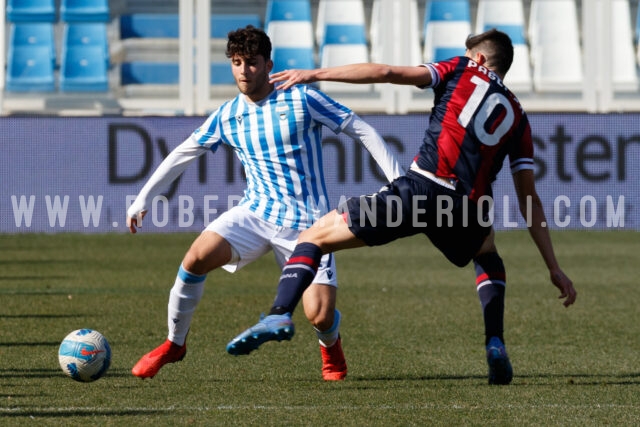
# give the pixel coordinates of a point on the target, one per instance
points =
(476, 122)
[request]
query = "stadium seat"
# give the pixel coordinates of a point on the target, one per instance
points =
(376, 36)
(638, 34)
(84, 11)
(623, 64)
(508, 16)
(221, 74)
(168, 73)
(87, 34)
(34, 34)
(29, 69)
(555, 46)
(222, 23)
(31, 11)
(142, 72)
(31, 57)
(149, 25)
(288, 24)
(335, 12)
(83, 69)
(344, 44)
(447, 24)
(166, 25)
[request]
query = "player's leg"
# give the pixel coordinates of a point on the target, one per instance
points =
(490, 285)
(330, 232)
(207, 252)
(319, 301)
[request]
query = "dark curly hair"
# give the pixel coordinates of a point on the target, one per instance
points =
(497, 47)
(248, 42)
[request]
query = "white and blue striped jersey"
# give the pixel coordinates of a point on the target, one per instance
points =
(278, 141)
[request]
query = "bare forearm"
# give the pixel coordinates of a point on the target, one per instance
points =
(539, 232)
(356, 73)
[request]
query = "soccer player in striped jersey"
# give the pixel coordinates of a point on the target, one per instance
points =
(277, 136)
(476, 122)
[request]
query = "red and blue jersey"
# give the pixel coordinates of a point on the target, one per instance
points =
(475, 123)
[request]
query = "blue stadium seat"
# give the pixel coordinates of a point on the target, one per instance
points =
(31, 11)
(85, 11)
(149, 25)
(83, 69)
(221, 74)
(338, 12)
(29, 69)
(344, 44)
(142, 72)
(447, 24)
(287, 10)
(292, 57)
(166, 25)
(34, 34)
(87, 34)
(168, 73)
(221, 24)
(288, 24)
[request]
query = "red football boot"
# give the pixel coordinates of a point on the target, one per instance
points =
(149, 365)
(334, 366)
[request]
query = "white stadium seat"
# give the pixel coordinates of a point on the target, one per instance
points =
(508, 16)
(288, 24)
(447, 24)
(623, 67)
(555, 46)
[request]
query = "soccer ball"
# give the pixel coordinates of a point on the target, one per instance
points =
(84, 355)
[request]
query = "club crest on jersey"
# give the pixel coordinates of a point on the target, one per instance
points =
(282, 110)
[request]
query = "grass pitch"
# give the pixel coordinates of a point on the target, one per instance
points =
(412, 334)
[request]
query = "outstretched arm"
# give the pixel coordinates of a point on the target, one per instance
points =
(362, 131)
(170, 169)
(537, 223)
(356, 73)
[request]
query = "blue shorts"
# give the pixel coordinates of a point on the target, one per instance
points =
(414, 204)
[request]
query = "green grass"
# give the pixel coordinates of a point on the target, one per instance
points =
(412, 334)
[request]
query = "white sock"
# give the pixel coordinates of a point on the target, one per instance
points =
(329, 337)
(183, 300)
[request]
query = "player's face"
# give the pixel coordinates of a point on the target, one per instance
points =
(252, 76)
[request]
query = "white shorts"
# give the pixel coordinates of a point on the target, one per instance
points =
(251, 237)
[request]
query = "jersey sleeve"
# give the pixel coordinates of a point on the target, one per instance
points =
(521, 154)
(325, 110)
(440, 71)
(209, 134)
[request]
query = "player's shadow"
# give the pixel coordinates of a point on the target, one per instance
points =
(75, 413)
(30, 373)
(521, 380)
(32, 279)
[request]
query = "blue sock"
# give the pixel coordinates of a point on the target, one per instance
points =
(491, 284)
(297, 275)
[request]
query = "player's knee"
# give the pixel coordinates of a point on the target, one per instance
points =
(319, 315)
(194, 263)
(321, 320)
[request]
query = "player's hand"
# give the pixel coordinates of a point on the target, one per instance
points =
(135, 221)
(562, 282)
(292, 77)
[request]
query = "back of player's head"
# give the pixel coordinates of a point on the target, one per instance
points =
(248, 42)
(496, 47)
